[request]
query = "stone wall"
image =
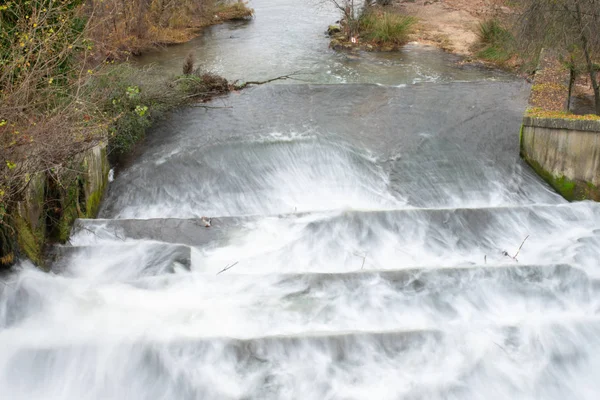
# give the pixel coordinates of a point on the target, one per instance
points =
(566, 153)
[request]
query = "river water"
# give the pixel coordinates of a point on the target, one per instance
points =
(374, 236)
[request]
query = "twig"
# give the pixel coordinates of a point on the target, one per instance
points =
(228, 267)
(202, 106)
(200, 94)
(522, 243)
(278, 78)
(503, 349)
(364, 257)
(505, 253)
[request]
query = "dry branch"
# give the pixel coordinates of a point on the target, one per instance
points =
(228, 267)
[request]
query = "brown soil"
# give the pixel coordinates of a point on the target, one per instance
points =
(449, 24)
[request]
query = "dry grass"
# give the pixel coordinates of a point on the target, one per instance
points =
(496, 43)
(234, 11)
(386, 28)
(133, 26)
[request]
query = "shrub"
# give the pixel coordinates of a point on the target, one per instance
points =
(386, 27)
(234, 11)
(59, 95)
(496, 43)
(202, 84)
(129, 99)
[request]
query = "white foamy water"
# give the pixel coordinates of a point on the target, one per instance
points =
(340, 299)
(366, 242)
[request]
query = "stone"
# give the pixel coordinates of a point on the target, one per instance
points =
(333, 29)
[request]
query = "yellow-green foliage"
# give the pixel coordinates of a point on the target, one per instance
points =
(541, 113)
(384, 28)
(31, 242)
(549, 86)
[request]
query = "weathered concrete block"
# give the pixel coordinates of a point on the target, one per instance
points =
(96, 166)
(30, 221)
(53, 201)
(566, 153)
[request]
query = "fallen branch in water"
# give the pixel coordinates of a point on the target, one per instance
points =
(363, 256)
(521, 246)
(228, 267)
(505, 253)
(241, 86)
(203, 106)
(204, 95)
(503, 349)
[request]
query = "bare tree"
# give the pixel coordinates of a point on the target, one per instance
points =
(351, 10)
(569, 25)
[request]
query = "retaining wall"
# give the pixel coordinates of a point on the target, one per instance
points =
(53, 200)
(566, 153)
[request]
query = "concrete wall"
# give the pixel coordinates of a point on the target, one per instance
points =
(54, 200)
(566, 153)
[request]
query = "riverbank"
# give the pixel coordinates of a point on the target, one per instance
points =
(65, 94)
(451, 25)
(120, 40)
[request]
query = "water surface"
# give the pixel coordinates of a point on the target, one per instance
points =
(374, 235)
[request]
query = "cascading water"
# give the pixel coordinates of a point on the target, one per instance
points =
(364, 245)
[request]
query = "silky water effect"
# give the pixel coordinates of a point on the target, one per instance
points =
(366, 242)
(358, 250)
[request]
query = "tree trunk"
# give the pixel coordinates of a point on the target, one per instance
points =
(588, 60)
(572, 77)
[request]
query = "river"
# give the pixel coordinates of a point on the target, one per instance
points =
(374, 235)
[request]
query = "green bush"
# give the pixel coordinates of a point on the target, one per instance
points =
(129, 99)
(386, 27)
(496, 43)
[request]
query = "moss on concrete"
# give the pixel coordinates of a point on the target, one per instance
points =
(31, 242)
(571, 190)
(70, 210)
(28, 219)
(54, 200)
(521, 138)
(96, 167)
(92, 203)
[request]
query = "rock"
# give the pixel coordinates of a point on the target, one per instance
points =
(333, 29)
(206, 221)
